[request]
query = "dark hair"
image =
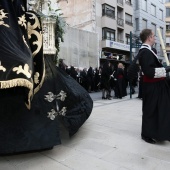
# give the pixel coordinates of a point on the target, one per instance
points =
(145, 34)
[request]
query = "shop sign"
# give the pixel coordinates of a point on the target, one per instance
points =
(120, 46)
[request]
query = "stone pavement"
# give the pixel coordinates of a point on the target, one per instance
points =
(109, 140)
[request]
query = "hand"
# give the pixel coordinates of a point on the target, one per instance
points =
(167, 68)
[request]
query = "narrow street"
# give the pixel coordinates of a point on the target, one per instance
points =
(109, 140)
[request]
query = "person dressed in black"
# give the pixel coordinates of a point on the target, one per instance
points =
(120, 82)
(90, 79)
(96, 80)
(84, 79)
(105, 81)
(36, 97)
(156, 92)
(62, 65)
(73, 73)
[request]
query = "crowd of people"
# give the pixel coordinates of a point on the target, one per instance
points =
(106, 78)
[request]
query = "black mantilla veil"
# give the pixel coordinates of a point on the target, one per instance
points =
(28, 77)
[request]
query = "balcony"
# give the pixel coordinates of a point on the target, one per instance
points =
(128, 3)
(120, 40)
(120, 22)
(110, 15)
(108, 38)
(120, 2)
(129, 23)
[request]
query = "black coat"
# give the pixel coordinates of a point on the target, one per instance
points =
(156, 99)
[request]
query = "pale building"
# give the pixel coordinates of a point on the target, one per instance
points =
(112, 20)
(150, 14)
(167, 19)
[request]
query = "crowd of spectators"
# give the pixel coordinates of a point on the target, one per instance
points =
(105, 78)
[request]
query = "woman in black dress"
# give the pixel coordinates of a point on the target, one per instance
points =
(105, 80)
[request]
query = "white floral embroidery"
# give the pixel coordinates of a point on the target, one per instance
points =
(2, 68)
(62, 95)
(2, 16)
(63, 111)
(160, 72)
(52, 114)
(50, 97)
(24, 70)
(23, 8)
(22, 21)
(36, 78)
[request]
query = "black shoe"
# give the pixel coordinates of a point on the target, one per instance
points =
(104, 98)
(148, 140)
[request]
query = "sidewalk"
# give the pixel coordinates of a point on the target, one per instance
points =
(109, 140)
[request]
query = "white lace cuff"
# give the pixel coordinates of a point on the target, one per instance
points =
(160, 72)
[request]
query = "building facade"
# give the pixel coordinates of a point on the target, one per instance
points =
(167, 19)
(150, 14)
(112, 20)
(79, 48)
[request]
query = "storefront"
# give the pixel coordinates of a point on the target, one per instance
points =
(115, 52)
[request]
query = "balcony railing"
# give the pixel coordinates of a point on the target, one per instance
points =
(120, 22)
(108, 38)
(109, 15)
(120, 2)
(129, 23)
(120, 40)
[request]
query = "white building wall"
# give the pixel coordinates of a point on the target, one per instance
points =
(80, 48)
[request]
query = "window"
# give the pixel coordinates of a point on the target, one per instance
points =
(128, 2)
(153, 27)
(153, 10)
(161, 51)
(168, 26)
(137, 4)
(144, 23)
(144, 5)
(108, 34)
(128, 19)
(108, 10)
(167, 12)
(162, 32)
(127, 38)
(167, 41)
(160, 14)
(137, 23)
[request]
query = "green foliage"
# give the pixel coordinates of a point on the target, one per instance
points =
(59, 27)
(59, 33)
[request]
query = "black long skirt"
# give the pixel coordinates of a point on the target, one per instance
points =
(23, 130)
(156, 110)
